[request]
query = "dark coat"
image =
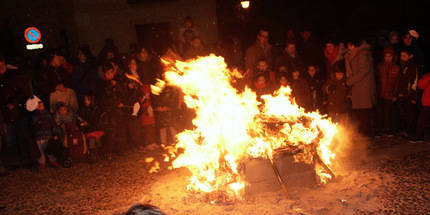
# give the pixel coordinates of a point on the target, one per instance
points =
(360, 77)
(44, 124)
(407, 80)
(15, 89)
(301, 92)
(85, 78)
(315, 84)
(290, 62)
(257, 52)
(389, 77)
(91, 115)
(337, 92)
(148, 70)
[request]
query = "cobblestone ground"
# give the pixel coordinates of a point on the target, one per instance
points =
(110, 187)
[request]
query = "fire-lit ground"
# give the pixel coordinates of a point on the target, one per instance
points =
(389, 176)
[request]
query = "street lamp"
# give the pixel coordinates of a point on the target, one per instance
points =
(245, 4)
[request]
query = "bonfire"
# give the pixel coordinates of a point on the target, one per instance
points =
(232, 127)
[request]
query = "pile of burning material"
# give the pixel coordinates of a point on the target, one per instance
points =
(232, 127)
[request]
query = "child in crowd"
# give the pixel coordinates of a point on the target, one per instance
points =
(261, 85)
(165, 105)
(407, 92)
(44, 128)
(300, 90)
(74, 140)
(315, 84)
(337, 93)
(388, 79)
(89, 112)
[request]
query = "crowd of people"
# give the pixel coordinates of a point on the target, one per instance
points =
(89, 107)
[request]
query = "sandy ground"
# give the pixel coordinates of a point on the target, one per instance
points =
(392, 177)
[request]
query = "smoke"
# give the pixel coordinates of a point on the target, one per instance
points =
(351, 148)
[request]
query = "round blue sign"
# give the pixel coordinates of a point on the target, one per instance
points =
(32, 35)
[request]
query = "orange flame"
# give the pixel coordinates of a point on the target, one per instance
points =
(231, 127)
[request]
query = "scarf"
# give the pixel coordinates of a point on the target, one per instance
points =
(331, 57)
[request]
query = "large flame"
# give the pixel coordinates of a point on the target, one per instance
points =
(231, 127)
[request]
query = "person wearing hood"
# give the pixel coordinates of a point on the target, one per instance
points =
(388, 82)
(360, 78)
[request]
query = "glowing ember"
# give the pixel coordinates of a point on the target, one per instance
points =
(231, 127)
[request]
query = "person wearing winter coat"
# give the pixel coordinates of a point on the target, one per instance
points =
(315, 82)
(407, 92)
(301, 91)
(360, 78)
(388, 82)
(260, 49)
(84, 77)
(424, 117)
(337, 94)
(109, 97)
(45, 128)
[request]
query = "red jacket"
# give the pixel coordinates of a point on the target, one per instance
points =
(389, 76)
(424, 84)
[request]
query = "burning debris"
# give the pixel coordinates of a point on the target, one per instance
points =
(232, 127)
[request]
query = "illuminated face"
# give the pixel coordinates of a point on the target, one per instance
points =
(306, 35)
(339, 75)
(261, 80)
(404, 56)
(351, 46)
(41, 106)
(296, 75)
(143, 55)
(109, 74)
(329, 47)
(87, 101)
(282, 69)
(290, 49)
(132, 66)
(62, 110)
(388, 58)
(407, 39)
(60, 87)
(312, 71)
(56, 61)
(188, 24)
(110, 55)
(262, 66)
(263, 37)
(283, 81)
(82, 57)
(2, 67)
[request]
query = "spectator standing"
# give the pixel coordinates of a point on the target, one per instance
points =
(389, 77)
(309, 49)
(289, 58)
(361, 78)
(300, 90)
(315, 82)
(196, 49)
(332, 53)
(260, 49)
(85, 77)
(337, 94)
(408, 92)
(15, 89)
